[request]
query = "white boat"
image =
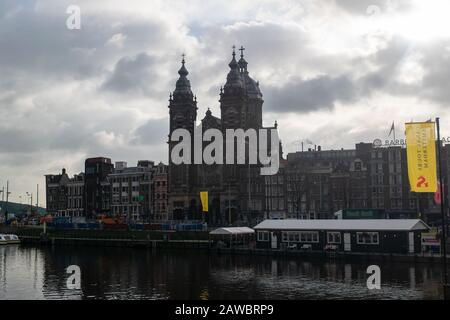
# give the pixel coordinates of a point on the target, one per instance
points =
(9, 239)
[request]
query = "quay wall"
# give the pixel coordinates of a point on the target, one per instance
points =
(195, 240)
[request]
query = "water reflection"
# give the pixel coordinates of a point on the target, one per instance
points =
(125, 273)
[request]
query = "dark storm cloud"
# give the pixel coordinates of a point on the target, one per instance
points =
(267, 44)
(13, 140)
(302, 96)
(323, 92)
(434, 59)
(153, 132)
(436, 80)
(387, 62)
(133, 75)
(360, 7)
(38, 43)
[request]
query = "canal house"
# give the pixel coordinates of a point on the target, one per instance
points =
(361, 235)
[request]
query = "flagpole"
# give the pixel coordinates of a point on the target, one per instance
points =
(393, 125)
(444, 225)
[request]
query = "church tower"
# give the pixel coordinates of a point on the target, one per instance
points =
(241, 99)
(232, 98)
(253, 95)
(183, 114)
(182, 104)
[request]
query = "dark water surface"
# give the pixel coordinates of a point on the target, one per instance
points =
(130, 273)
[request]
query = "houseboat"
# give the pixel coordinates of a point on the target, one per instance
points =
(357, 235)
(9, 239)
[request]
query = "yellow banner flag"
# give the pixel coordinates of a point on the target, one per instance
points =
(421, 154)
(204, 200)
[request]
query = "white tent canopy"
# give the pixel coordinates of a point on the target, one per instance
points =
(232, 231)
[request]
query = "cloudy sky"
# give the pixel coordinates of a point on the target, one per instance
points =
(334, 72)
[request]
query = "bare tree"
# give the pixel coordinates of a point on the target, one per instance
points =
(299, 186)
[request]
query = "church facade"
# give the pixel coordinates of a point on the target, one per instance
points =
(236, 192)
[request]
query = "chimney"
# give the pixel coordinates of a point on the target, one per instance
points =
(64, 171)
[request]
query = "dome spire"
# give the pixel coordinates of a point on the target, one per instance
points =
(233, 64)
(183, 71)
(233, 77)
(183, 86)
(242, 63)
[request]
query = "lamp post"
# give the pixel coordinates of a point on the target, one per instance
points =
(229, 203)
(3, 197)
(31, 202)
(7, 199)
(249, 177)
(445, 283)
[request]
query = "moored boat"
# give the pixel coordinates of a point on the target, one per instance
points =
(9, 239)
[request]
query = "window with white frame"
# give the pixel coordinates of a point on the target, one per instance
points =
(334, 237)
(367, 238)
(299, 236)
(309, 237)
(263, 235)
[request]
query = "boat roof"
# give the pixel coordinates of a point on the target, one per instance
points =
(232, 230)
(345, 224)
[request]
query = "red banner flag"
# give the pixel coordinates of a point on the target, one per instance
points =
(437, 194)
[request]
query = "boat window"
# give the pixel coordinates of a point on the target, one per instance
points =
(334, 237)
(367, 238)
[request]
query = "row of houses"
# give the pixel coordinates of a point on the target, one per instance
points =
(316, 183)
(134, 193)
(311, 184)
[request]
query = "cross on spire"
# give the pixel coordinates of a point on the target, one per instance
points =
(242, 51)
(234, 50)
(183, 56)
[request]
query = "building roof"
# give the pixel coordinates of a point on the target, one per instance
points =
(232, 230)
(359, 224)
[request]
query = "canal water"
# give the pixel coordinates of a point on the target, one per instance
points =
(131, 273)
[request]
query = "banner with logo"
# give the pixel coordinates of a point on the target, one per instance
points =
(204, 200)
(421, 155)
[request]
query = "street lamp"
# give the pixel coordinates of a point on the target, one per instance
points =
(229, 203)
(249, 176)
(31, 202)
(7, 198)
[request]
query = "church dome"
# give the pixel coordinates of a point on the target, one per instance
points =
(234, 79)
(252, 87)
(183, 86)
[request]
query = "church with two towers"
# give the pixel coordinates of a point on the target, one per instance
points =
(236, 192)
